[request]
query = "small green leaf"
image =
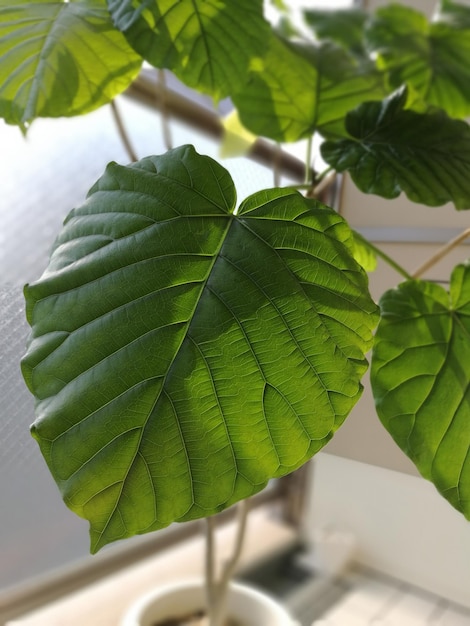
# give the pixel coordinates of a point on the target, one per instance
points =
(420, 372)
(430, 57)
(181, 355)
(208, 44)
(60, 59)
(426, 155)
(345, 27)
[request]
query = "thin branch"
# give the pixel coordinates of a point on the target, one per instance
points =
(308, 161)
(232, 563)
(441, 253)
(390, 261)
(167, 138)
(324, 182)
(322, 175)
(123, 132)
(210, 563)
(277, 154)
(217, 590)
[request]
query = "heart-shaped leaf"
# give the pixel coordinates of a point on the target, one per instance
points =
(182, 355)
(420, 379)
(430, 57)
(60, 59)
(426, 155)
(208, 44)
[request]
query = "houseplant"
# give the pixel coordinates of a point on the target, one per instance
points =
(152, 353)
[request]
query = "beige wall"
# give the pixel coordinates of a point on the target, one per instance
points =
(426, 6)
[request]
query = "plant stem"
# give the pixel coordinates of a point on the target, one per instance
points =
(322, 182)
(217, 591)
(390, 261)
(277, 165)
(165, 112)
(231, 564)
(123, 132)
(308, 161)
(453, 243)
(210, 565)
(322, 175)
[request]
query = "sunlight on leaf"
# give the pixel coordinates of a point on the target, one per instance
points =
(430, 57)
(279, 99)
(208, 44)
(344, 83)
(237, 140)
(300, 88)
(223, 350)
(363, 252)
(60, 59)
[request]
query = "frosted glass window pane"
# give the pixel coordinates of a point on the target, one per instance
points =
(44, 177)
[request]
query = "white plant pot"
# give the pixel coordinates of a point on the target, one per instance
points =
(247, 605)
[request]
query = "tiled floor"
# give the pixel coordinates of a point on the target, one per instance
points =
(369, 599)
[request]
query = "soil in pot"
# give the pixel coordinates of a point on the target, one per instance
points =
(193, 619)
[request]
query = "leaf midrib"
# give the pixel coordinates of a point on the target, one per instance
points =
(163, 391)
(36, 84)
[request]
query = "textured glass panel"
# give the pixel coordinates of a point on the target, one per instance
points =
(44, 177)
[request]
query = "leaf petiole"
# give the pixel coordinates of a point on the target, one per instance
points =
(380, 253)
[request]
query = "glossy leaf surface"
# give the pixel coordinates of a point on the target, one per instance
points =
(425, 155)
(208, 44)
(420, 372)
(60, 59)
(181, 355)
(430, 57)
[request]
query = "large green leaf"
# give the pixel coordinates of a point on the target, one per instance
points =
(208, 44)
(182, 355)
(60, 59)
(430, 57)
(420, 378)
(426, 155)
